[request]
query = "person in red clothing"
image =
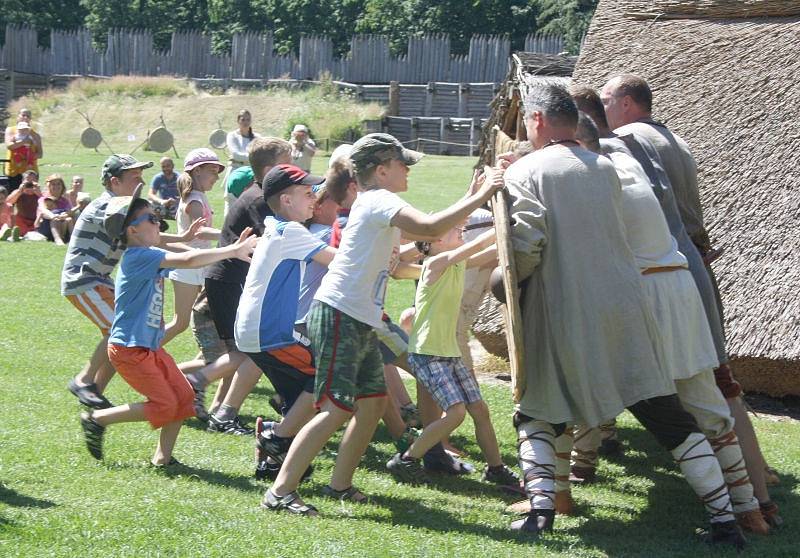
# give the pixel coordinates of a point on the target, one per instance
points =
(25, 200)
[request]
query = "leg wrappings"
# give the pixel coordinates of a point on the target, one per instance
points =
(608, 430)
(701, 469)
(584, 453)
(563, 448)
(536, 446)
(734, 470)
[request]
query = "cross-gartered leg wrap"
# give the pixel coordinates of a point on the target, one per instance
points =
(701, 469)
(584, 453)
(734, 470)
(536, 447)
(563, 449)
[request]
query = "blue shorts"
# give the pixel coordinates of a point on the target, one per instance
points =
(447, 379)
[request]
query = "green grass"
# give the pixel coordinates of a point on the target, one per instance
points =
(55, 500)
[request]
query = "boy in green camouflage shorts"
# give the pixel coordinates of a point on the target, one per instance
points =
(348, 306)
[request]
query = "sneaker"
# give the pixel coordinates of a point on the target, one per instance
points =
(92, 435)
(501, 475)
(15, 234)
(269, 444)
(290, 503)
(439, 461)
(410, 471)
(234, 427)
(88, 395)
(6, 234)
(406, 439)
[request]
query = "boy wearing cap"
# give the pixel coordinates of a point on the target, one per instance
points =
(348, 307)
(86, 281)
(265, 322)
(134, 344)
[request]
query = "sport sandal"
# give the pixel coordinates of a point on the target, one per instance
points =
(351, 494)
(290, 503)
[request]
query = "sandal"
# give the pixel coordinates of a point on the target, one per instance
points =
(290, 503)
(351, 494)
(171, 463)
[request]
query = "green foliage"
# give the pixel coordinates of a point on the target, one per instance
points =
(568, 18)
(43, 15)
(131, 86)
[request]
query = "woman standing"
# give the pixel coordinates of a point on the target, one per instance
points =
(24, 149)
(237, 142)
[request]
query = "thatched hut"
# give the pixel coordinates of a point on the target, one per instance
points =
(724, 75)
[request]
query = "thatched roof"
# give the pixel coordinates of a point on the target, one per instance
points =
(526, 68)
(727, 82)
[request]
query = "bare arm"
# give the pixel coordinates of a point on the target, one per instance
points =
(406, 270)
(484, 258)
(190, 234)
(324, 256)
(438, 263)
(241, 249)
(415, 222)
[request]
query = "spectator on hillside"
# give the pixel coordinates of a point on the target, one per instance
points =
(25, 200)
(7, 228)
(24, 149)
(54, 214)
(303, 147)
(164, 190)
(75, 190)
(237, 142)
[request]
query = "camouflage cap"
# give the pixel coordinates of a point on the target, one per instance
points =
(117, 164)
(374, 149)
(117, 213)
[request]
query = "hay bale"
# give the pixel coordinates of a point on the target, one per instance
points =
(489, 328)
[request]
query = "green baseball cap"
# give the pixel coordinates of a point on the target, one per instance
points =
(117, 211)
(374, 149)
(117, 164)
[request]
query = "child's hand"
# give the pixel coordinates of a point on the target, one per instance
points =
(504, 160)
(246, 244)
(478, 179)
(494, 182)
(194, 230)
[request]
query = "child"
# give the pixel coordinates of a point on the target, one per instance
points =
(436, 360)
(348, 307)
(134, 344)
(201, 170)
(265, 322)
(7, 228)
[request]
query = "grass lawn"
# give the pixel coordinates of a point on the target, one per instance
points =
(55, 500)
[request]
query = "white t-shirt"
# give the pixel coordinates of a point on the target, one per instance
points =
(358, 275)
(268, 305)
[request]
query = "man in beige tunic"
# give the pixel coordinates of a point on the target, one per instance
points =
(628, 101)
(591, 342)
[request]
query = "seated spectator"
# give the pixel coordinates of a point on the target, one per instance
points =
(303, 147)
(25, 200)
(7, 228)
(23, 149)
(83, 200)
(75, 190)
(54, 214)
(164, 190)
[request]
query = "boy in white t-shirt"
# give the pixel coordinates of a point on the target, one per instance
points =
(347, 309)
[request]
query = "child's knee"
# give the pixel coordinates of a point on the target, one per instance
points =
(456, 413)
(478, 410)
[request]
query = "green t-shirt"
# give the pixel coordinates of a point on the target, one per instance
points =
(436, 321)
(238, 180)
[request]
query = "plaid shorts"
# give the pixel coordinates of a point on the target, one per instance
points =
(447, 379)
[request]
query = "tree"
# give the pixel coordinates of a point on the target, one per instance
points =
(568, 18)
(43, 15)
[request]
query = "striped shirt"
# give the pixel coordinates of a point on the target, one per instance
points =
(92, 255)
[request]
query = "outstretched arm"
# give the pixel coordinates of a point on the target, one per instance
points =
(241, 249)
(438, 263)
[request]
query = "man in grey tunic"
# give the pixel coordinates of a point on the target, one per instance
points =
(628, 102)
(591, 342)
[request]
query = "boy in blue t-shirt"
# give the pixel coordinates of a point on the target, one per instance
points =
(265, 321)
(134, 345)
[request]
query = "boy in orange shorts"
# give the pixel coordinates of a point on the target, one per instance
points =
(134, 344)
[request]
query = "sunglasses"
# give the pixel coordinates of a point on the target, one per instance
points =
(151, 217)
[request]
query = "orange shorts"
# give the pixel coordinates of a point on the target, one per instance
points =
(155, 375)
(97, 304)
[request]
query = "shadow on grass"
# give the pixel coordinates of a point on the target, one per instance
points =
(236, 482)
(11, 497)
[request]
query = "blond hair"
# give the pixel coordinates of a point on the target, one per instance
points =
(185, 185)
(266, 152)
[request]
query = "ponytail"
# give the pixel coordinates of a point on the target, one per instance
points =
(185, 185)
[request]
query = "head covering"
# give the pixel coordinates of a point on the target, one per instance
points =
(201, 156)
(22, 125)
(281, 177)
(341, 152)
(117, 213)
(117, 164)
(300, 128)
(374, 149)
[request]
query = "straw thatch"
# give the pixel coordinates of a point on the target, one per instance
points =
(722, 9)
(729, 87)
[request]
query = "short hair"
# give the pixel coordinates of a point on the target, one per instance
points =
(77, 177)
(635, 87)
(265, 152)
(587, 99)
(587, 133)
(523, 148)
(553, 101)
(338, 179)
(166, 160)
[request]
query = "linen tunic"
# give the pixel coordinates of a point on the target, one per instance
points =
(592, 346)
(673, 296)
